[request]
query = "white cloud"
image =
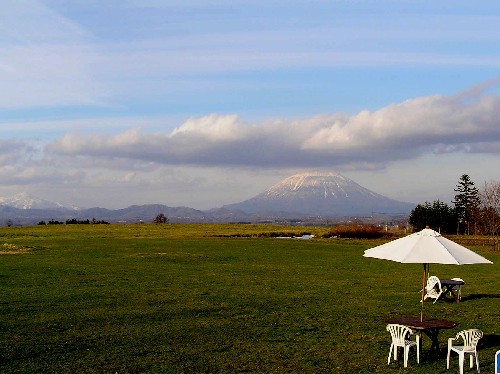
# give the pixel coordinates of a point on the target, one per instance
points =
(213, 128)
(423, 123)
(435, 124)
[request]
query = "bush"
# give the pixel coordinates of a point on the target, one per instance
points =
(161, 218)
(55, 222)
(358, 231)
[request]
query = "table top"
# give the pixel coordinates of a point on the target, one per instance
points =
(450, 282)
(427, 323)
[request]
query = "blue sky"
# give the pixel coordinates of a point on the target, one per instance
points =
(205, 103)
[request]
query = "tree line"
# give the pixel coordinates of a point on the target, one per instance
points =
(74, 221)
(474, 211)
(160, 218)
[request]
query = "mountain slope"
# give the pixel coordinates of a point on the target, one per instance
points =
(24, 200)
(321, 194)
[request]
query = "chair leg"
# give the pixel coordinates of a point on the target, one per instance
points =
(471, 361)
(461, 362)
(418, 348)
(405, 356)
(448, 358)
(389, 357)
(477, 362)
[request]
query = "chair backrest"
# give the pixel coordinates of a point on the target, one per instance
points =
(457, 279)
(398, 332)
(470, 337)
(432, 282)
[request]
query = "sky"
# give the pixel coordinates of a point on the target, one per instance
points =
(202, 103)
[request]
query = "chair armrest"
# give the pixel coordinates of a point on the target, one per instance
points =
(450, 341)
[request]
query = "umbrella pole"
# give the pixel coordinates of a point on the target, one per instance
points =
(424, 277)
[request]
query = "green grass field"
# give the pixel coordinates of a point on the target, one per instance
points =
(218, 299)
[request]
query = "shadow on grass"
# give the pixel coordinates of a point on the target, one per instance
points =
(476, 296)
(489, 341)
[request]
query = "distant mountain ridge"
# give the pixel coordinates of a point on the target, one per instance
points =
(132, 214)
(307, 197)
(321, 194)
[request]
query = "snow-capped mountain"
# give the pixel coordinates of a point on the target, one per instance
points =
(308, 196)
(24, 200)
(322, 194)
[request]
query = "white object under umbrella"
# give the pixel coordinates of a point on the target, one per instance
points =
(425, 247)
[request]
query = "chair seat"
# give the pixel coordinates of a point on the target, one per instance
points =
(463, 349)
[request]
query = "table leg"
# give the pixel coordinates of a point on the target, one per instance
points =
(449, 290)
(454, 296)
(433, 334)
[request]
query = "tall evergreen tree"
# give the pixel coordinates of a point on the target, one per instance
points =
(467, 204)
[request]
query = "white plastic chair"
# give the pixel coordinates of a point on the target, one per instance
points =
(458, 289)
(433, 288)
(400, 339)
(470, 339)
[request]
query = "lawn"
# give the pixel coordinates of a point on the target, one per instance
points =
(218, 299)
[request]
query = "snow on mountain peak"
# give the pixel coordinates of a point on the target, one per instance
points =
(24, 200)
(320, 194)
(329, 183)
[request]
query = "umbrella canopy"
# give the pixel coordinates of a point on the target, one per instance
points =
(425, 247)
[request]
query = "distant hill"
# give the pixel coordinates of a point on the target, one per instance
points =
(132, 214)
(321, 194)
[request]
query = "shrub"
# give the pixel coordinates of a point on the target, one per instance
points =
(358, 231)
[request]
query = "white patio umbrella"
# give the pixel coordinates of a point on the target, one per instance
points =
(425, 247)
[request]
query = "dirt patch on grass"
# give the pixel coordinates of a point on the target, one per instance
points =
(13, 249)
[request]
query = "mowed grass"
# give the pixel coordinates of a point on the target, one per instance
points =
(218, 299)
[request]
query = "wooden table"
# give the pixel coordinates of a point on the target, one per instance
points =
(429, 326)
(447, 287)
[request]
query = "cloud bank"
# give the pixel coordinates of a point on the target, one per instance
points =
(466, 122)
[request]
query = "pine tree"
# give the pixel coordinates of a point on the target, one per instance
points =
(467, 204)
(438, 216)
